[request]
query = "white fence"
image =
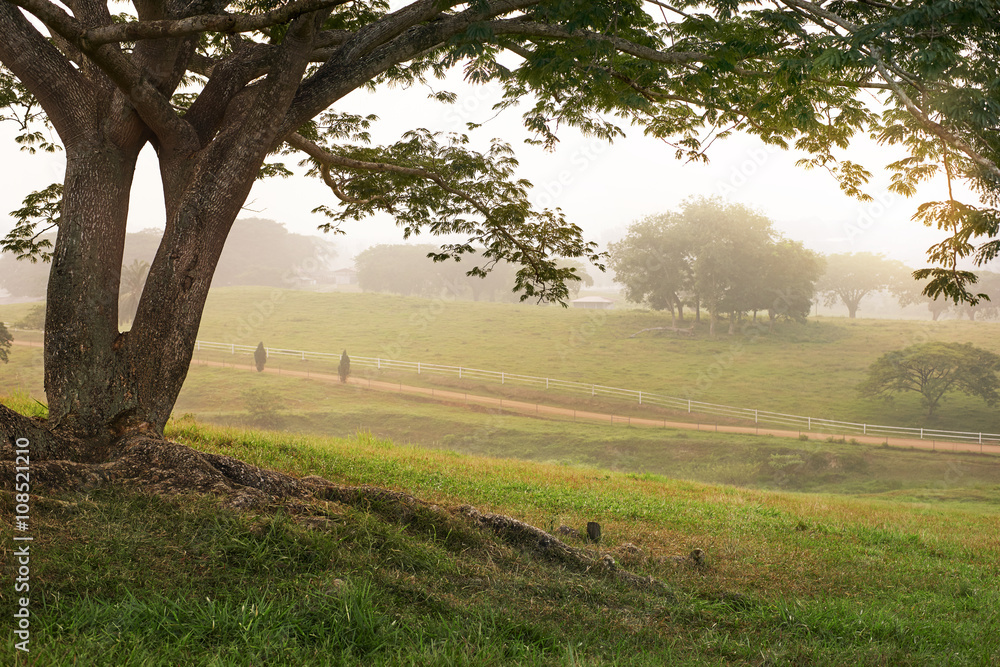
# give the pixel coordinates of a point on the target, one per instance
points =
(805, 424)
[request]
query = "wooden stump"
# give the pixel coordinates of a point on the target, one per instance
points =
(594, 531)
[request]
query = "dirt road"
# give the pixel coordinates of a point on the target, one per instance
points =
(462, 398)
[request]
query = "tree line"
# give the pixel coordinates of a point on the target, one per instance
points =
(408, 270)
(729, 261)
(260, 252)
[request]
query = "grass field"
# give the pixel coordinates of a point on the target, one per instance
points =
(891, 558)
(220, 396)
(809, 369)
(122, 578)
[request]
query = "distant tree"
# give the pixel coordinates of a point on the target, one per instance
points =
(653, 263)
(264, 252)
(5, 342)
(933, 370)
(34, 319)
(726, 257)
(788, 281)
(986, 307)
(732, 243)
(133, 280)
(399, 269)
(850, 277)
(260, 356)
(263, 408)
(989, 307)
(344, 368)
(258, 252)
(411, 271)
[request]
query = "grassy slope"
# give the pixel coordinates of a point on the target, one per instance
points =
(119, 578)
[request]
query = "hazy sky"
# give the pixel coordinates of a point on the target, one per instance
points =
(602, 188)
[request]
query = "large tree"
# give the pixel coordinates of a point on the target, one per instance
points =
(850, 277)
(216, 87)
(653, 263)
(933, 370)
(723, 255)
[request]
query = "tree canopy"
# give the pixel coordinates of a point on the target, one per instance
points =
(723, 256)
(850, 277)
(223, 90)
(933, 370)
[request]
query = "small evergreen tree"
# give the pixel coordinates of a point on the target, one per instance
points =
(5, 341)
(344, 369)
(260, 356)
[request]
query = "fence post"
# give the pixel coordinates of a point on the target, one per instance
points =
(418, 368)
(459, 372)
(640, 399)
(755, 417)
(546, 383)
(689, 406)
(233, 346)
(921, 433)
(501, 377)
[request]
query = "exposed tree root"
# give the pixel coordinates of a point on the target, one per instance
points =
(157, 466)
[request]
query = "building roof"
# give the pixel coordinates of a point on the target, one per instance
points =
(592, 299)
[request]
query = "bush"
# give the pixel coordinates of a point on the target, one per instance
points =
(263, 408)
(34, 320)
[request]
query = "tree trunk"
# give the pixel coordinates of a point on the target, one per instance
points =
(85, 372)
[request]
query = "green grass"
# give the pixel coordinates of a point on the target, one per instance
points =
(215, 395)
(743, 460)
(805, 369)
(122, 578)
(809, 369)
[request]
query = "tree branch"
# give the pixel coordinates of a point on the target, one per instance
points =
(328, 160)
(59, 88)
(395, 39)
(940, 131)
(523, 28)
(152, 106)
(193, 25)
